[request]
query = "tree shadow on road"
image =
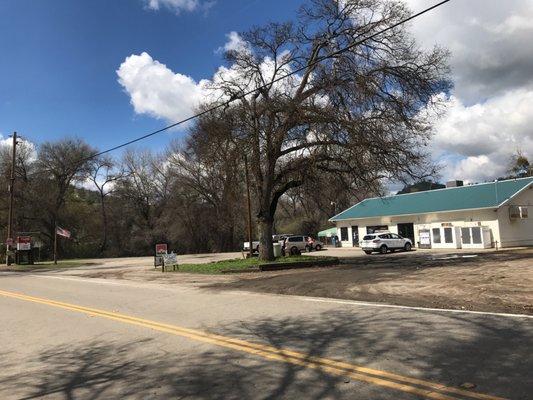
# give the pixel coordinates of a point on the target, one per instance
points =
(494, 354)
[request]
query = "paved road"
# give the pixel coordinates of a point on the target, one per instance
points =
(80, 338)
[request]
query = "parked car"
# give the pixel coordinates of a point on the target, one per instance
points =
(297, 244)
(383, 242)
(255, 243)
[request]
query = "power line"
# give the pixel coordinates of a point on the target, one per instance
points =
(244, 94)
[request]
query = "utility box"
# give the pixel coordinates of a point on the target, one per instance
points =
(277, 250)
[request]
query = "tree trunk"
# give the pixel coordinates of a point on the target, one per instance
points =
(103, 246)
(266, 251)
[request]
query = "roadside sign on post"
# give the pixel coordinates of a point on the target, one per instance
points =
(160, 250)
(9, 242)
(23, 243)
(170, 261)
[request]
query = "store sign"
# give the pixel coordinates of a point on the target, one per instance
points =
(161, 248)
(170, 259)
(425, 238)
(23, 242)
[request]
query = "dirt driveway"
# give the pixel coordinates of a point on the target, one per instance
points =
(500, 281)
(487, 281)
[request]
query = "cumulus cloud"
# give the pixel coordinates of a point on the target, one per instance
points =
(235, 43)
(156, 90)
(475, 142)
(491, 107)
(490, 42)
(174, 5)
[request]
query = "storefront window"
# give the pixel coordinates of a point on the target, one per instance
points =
(476, 235)
(344, 234)
(465, 235)
(377, 228)
(436, 235)
(448, 235)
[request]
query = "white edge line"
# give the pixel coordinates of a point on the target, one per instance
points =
(301, 298)
(382, 305)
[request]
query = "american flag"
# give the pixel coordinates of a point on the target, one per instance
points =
(63, 232)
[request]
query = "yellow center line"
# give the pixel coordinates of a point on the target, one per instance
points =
(427, 389)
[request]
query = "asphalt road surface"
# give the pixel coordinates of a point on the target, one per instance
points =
(73, 337)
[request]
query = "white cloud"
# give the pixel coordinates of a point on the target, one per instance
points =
(476, 142)
(490, 41)
(157, 91)
(235, 43)
(491, 108)
(174, 5)
(25, 148)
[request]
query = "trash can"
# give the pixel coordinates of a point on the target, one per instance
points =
(277, 249)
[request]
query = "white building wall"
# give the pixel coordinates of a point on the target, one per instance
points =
(486, 217)
(517, 232)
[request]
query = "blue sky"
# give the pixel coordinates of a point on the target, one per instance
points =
(59, 63)
(59, 60)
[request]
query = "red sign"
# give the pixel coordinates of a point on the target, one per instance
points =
(161, 248)
(9, 241)
(23, 242)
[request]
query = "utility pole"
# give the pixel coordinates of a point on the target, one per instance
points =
(11, 188)
(55, 242)
(249, 205)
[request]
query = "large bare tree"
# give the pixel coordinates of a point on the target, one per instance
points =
(364, 112)
(59, 165)
(105, 174)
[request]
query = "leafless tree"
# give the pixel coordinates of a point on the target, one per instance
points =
(105, 175)
(209, 165)
(364, 112)
(59, 165)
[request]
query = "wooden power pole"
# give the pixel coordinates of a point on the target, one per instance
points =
(11, 188)
(247, 174)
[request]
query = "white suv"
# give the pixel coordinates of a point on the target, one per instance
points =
(383, 242)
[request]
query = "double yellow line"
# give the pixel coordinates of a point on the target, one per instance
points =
(418, 387)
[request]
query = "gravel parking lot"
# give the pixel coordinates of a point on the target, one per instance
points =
(488, 280)
(500, 281)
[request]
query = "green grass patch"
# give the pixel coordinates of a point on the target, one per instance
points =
(240, 263)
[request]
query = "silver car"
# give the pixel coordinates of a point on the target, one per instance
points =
(295, 244)
(385, 242)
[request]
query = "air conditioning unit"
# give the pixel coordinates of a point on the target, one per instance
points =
(518, 212)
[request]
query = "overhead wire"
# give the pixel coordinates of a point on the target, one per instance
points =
(270, 83)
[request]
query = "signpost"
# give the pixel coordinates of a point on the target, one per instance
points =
(164, 259)
(24, 253)
(170, 261)
(23, 243)
(160, 250)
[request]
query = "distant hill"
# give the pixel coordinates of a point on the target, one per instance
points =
(421, 186)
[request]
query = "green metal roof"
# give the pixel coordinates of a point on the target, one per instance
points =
(328, 232)
(482, 195)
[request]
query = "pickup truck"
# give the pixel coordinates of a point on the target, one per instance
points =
(255, 243)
